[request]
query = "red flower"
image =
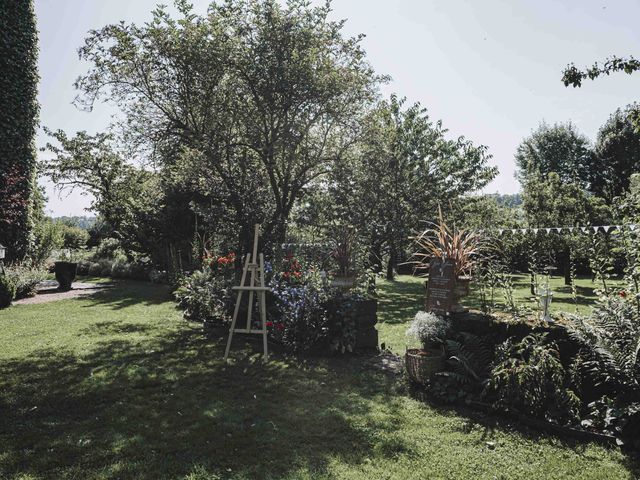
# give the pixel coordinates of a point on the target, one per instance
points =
(297, 274)
(269, 324)
(280, 326)
(622, 293)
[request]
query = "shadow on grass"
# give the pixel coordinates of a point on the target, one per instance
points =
(168, 407)
(130, 293)
(489, 422)
(400, 300)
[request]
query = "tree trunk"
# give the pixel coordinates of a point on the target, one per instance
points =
(567, 267)
(391, 264)
(533, 283)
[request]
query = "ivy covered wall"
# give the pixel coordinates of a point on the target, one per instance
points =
(18, 122)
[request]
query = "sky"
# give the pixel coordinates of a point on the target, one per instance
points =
(490, 69)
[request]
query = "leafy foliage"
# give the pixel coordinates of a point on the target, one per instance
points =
(618, 151)
(574, 77)
(469, 359)
(303, 317)
(25, 276)
(18, 117)
(7, 291)
(429, 329)
(444, 242)
(558, 148)
(528, 377)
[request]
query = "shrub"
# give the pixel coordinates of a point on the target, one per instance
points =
(7, 291)
(204, 296)
(83, 267)
(107, 249)
(158, 276)
(529, 378)
(26, 278)
(74, 237)
(95, 269)
(120, 269)
(429, 329)
(302, 321)
(47, 238)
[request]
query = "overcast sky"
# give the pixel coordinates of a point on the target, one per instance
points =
(489, 69)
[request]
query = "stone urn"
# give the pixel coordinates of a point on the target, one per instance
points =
(65, 274)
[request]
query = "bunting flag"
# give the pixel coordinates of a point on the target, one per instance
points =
(584, 229)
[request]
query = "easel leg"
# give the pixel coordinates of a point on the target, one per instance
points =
(262, 301)
(263, 319)
(236, 310)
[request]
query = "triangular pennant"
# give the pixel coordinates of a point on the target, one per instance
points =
(513, 230)
(523, 230)
(558, 229)
(632, 227)
(571, 229)
(548, 230)
(500, 230)
(606, 228)
(584, 229)
(595, 229)
(535, 230)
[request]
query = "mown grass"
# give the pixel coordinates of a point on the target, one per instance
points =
(117, 385)
(402, 298)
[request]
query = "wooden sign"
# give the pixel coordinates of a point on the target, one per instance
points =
(441, 285)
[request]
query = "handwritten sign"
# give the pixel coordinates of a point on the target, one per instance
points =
(441, 285)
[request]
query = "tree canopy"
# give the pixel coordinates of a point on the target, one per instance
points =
(556, 148)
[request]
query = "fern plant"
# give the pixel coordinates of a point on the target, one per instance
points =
(611, 344)
(469, 361)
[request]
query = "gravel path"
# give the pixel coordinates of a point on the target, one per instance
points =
(48, 292)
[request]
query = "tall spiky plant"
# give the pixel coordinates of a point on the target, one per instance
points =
(439, 240)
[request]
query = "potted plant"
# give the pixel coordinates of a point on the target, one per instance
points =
(65, 270)
(343, 251)
(431, 331)
(461, 246)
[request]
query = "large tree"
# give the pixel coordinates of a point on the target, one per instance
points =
(550, 201)
(617, 154)
(255, 96)
(18, 122)
(558, 148)
(404, 167)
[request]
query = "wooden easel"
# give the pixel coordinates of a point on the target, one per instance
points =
(255, 265)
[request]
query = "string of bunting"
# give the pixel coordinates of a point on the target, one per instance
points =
(584, 229)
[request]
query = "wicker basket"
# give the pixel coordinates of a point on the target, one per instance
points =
(420, 367)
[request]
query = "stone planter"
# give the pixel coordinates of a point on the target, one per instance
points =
(65, 274)
(422, 364)
(460, 291)
(344, 282)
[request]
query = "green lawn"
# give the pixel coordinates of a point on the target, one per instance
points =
(402, 298)
(118, 386)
